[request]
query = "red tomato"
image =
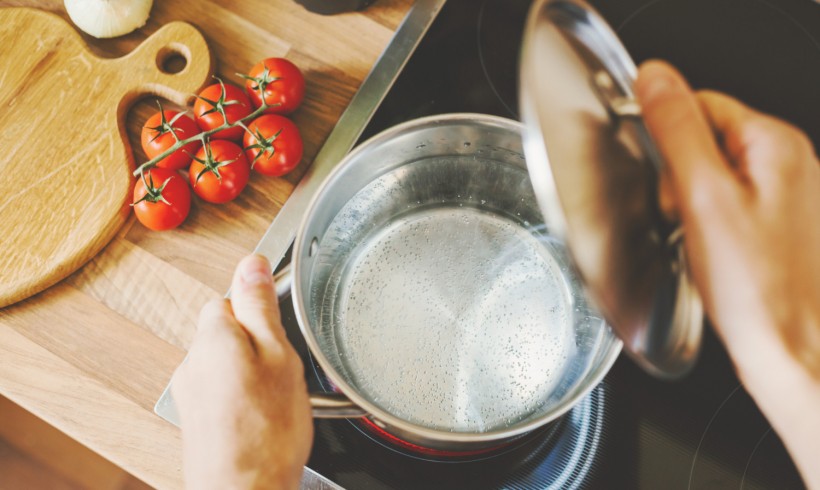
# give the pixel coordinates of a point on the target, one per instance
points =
(158, 135)
(229, 97)
(164, 202)
(282, 83)
(275, 147)
(219, 171)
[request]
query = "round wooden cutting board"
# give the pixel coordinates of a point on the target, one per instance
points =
(65, 160)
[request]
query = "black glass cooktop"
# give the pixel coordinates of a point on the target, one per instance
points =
(632, 431)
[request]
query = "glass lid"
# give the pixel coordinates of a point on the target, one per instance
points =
(595, 172)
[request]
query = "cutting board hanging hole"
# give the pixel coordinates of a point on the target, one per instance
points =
(171, 61)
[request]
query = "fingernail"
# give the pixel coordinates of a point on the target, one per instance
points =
(255, 270)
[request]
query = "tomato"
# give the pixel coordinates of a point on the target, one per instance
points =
(162, 199)
(158, 135)
(228, 97)
(280, 80)
(219, 171)
(275, 147)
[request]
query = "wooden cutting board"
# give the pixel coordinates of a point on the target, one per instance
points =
(65, 160)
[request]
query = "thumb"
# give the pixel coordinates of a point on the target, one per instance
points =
(254, 303)
(698, 170)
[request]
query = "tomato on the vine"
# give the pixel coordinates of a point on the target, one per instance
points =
(214, 98)
(219, 171)
(158, 135)
(162, 199)
(273, 146)
(281, 82)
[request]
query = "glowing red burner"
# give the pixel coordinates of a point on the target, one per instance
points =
(422, 450)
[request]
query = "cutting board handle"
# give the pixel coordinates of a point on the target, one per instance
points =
(46, 232)
(141, 72)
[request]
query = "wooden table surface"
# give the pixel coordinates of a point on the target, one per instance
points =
(92, 354)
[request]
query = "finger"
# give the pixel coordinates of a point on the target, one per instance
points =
(255, 305)
(727, 116)
(698, 170)
(666, 196)
(763, 148)
(216, 321)
(218, 335)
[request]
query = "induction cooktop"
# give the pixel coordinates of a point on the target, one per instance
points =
(632, 431)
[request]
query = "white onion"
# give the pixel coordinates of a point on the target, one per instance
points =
(108, 18)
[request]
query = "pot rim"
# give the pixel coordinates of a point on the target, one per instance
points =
(338, 381)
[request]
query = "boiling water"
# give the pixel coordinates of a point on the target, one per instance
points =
(454, 318)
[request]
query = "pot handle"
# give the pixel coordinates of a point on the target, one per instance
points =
(328, 405)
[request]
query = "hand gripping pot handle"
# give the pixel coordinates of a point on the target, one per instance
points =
(327, 405)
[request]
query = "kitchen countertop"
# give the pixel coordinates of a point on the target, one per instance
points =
(92, 354)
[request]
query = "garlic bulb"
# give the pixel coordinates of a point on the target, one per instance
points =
(108, 18)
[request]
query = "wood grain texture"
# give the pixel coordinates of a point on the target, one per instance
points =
(79, 405)
(66, 164)
(92, 354)
(35, 455)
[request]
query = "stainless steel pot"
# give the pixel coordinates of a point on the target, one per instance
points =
(432, 295)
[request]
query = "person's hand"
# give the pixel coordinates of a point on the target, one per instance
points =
(746, 187)
(241, 393)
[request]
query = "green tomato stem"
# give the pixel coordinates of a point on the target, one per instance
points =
(200, 136)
